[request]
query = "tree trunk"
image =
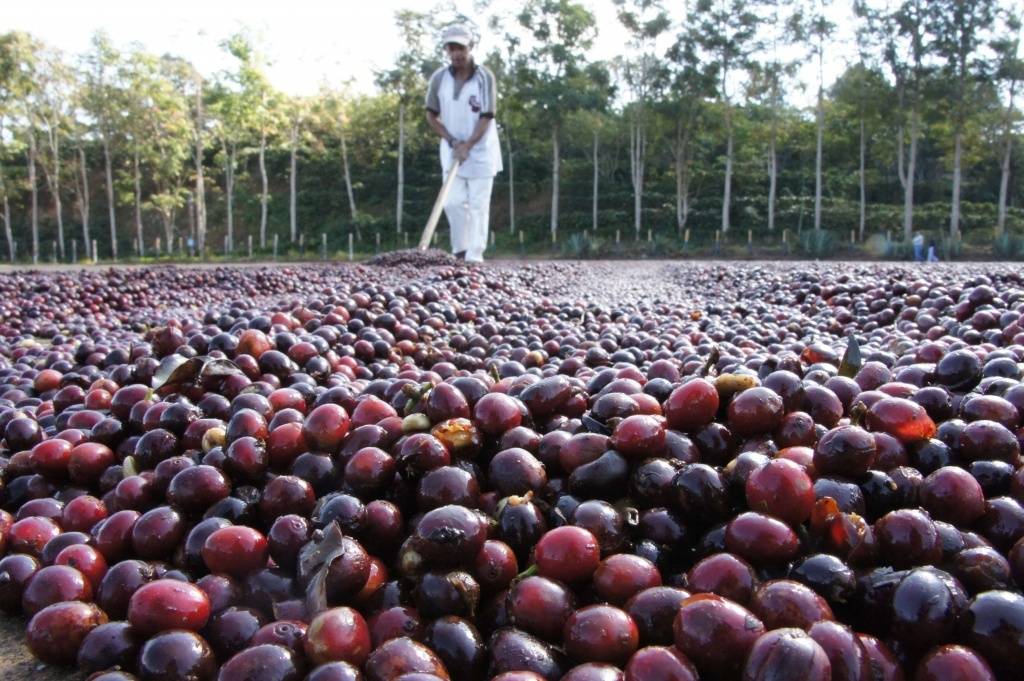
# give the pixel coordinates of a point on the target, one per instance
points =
(1004, 179)
(83, 199)
(863, 178)
(954, 218)
(1004, 185)
(35, 193)
(638, 200)
(7, 227)
(958, 126)
(596, 178)
(53, 181)
(110, 197)
(554, 180)
(638, 149)
(200, 202)
(200, 182)
(348, 175)
(682, 158)
(901, 169)
(401, 166)
(190, 206)
(229, 188)
(908, 190)
(682, 195)
(7, 203)
(168, 220)
(727, 192)
(818, 152)
(772, 176)
(511, 184)
(773, 161)
(266, 191)
(293, 218)
(140, 244)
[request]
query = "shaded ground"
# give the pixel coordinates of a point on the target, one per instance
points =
(17, 663)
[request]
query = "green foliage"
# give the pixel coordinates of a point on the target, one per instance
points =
(582, 246)
(123, 100)
(818, 243)
(899, 250)
(950, 249)
(1009, 247)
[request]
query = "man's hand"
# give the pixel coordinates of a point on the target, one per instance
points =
(461, 150)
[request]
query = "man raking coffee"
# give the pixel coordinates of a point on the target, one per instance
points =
(461, 102)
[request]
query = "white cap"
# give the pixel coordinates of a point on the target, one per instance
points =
(457, 33)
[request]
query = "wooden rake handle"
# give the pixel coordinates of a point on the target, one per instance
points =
(435, 214)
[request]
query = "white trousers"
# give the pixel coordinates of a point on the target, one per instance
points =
(468, 209)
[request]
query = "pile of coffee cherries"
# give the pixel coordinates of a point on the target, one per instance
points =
(580, 471)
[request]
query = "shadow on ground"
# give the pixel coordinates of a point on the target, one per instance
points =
(16, 663)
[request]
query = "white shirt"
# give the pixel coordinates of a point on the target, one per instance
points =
(461, 105)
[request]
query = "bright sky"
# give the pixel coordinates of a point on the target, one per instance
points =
(305, 41)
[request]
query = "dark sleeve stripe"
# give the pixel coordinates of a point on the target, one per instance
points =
(488, 92)
(433, 99)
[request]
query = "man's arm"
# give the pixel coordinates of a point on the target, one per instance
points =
(462, 149)
(434, 121)
(433, 106)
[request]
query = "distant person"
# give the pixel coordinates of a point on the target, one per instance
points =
(931, 252)
(461, 102)
(918, 242)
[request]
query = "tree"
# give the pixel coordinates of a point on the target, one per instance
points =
(170, 142)
(81, 179)
(726, 30)
(142, 81)
(34, 189)
(820, 29)
(863, 46)
(104, 103)
(859, 104)
(266, 123)
(407, 81)
(693, 82)
(333, 108)
(199, 133)
(555, 76)
(507, 68)
(586, 127)
(186, 134)
(645, 20)
(960, 30)
(17, 63)
(297, 111)
(782, 28)
(238, 109)
(4, 193)
(29, 53)
(1008, 75)
(52, 115)
(902, 32)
